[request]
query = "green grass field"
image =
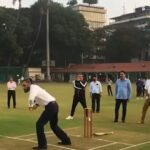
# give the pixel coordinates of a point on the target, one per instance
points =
(17, 126)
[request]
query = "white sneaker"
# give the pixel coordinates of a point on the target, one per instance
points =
(69, 118)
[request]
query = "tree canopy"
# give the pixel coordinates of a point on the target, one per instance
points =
(23, 37)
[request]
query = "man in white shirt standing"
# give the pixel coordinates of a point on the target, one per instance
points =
(38, 96)
(11, 86)
(95, 92)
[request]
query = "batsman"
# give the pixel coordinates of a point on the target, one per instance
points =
(37, 97)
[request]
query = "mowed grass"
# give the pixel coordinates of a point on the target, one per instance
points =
(19, 121)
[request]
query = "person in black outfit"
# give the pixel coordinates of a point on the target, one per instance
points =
(139, 88)
(79, 94)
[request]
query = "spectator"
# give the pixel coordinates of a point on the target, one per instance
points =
(139, 88)
(109, 87)
(122, 94)
(95, 93)
(11, 86)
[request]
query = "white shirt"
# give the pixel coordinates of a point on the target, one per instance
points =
(39, 96)
(147, 86)
(109, 82)
(11, 85)
(95, 87)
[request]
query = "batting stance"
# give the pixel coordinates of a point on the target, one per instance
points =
(38, 96)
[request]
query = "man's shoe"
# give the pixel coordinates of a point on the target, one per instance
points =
(141, 122)
(69, 118)
(64, 143)
(39, 148)
(123, 121)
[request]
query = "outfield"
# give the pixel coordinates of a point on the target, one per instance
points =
(17, 126)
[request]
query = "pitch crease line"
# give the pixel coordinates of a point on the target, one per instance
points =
(66, 129)
(20, 139)
(135, 145)
(115, 141)
(103, 146)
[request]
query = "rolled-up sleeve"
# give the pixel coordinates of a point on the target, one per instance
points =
(32, 95)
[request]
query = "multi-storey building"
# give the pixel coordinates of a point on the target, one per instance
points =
(140, 18)
(94, 16)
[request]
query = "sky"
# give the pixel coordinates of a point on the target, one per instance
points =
(114, 7)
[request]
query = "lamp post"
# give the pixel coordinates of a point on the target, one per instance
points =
(47, 43)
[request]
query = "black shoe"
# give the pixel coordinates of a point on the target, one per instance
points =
(115, 120)
(65, 143)
(123, 121)
(39, 148)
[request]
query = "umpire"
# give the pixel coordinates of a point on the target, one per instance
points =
(38, 96)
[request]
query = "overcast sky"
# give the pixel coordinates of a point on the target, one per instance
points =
(114, 7)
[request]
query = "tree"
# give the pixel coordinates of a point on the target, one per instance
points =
(68, 32)
(19, 1)
(67, 35)
(72, 2)
(90, 1)
(125, 43)
(99, 38)
(10, 51)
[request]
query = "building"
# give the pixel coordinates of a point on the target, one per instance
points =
(94, 16)
(102, 70)
(140, 18)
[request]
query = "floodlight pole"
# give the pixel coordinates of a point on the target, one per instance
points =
(47, 43)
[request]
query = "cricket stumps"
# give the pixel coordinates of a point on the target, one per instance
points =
(87, 123)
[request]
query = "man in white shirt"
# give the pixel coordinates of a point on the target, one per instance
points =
(147, 101)
(95, 92)
(38, 96)
(11, 86)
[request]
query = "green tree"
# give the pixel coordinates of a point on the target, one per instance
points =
(72, 2)
(68, 30)
(125, 43)
(99, 42)
(10, 51)
(67, 35)
(90, 1)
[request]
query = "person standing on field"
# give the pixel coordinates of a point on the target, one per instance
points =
(122, 94)
(79, 85)
(147, 101)
(38, 96)
(11, 86)
(109, 87)
(95, 93)
(139, 88)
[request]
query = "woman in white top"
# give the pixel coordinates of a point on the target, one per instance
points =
(11, 86)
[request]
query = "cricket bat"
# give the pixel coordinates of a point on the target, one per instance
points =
(102, 133)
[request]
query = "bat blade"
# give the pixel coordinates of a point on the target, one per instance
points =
(102, 133)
